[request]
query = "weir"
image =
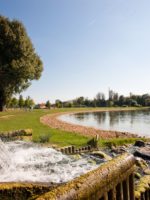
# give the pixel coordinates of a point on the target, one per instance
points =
(113, 180)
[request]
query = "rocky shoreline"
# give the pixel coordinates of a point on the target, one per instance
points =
(53, 121)
(140, 150)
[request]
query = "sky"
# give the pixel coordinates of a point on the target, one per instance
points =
(86, 46)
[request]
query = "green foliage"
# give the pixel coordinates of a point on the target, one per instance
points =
(21, 101)
(114, 100)
(19, 63)
(43, 138)
(48, 104)
(29, 102)
(110, 103)
(58, 103)
(67, 104)
(13, 103)
(119, 141)
(93, 142)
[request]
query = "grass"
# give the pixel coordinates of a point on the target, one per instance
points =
(14, 120)
(119, 141)
(27, 119)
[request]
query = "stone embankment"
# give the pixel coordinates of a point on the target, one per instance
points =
(71, 150)
(16, 134)
(24, 191)
(53, 121)
(141, 153)
(114, 179)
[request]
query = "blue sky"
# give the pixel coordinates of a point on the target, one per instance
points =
(86, 46)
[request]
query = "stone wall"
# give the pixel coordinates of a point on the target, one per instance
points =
(70, 150)
(15, 134)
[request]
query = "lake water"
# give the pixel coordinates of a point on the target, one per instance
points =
(137, 122)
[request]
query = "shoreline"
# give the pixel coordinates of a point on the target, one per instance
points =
(52, 121)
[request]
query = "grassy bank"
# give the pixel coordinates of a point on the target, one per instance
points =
(14, 120)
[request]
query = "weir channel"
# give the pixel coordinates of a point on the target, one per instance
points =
(24, 175)
(114, 180)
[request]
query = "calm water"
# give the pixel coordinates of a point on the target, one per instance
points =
(128, 121)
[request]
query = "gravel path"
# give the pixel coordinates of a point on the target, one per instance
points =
(52, 121)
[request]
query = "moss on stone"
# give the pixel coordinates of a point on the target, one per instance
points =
(147, 171)
(142, 186)
(142, 164)
(101, 154)
(23, 191)
(137, 175)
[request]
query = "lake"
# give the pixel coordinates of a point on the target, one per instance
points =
(137, 121)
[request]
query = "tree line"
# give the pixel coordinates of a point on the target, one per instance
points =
(114, 99)
(20, 102)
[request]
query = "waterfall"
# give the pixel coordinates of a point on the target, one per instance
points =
(5, 157)
(27, 162)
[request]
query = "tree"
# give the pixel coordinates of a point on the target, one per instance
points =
(48, 104)
(100, 99)
(58, 103)
(13, 102)
(80, 101)
(21, 101)
(19, 63)
(122, 100)
(87, 102)
(26, 102)
(29, 103)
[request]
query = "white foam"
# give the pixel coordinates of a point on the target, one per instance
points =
(29, 162)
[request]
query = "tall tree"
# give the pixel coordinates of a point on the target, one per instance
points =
(29, 103)
(48, 104)
(21, 101)
(13, 102)
(80, 101)
(19, 63)
(58, 103)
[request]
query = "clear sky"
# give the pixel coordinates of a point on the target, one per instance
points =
(86, 46)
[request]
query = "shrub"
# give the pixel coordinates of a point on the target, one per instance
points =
(44, 138)
(93, 142)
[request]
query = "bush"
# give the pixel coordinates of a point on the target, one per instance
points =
(93, 142)
(44, 138)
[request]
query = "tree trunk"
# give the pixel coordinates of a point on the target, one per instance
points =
(2, 107)
(2, 102)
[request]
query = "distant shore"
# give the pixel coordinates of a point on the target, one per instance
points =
(53, 121)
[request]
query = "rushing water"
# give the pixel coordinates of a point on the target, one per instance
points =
(21, 161)
(137, 122)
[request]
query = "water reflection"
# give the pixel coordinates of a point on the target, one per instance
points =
(130, 121)
(100, 117)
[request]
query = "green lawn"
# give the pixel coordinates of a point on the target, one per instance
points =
(14, 120)
(26, 119)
